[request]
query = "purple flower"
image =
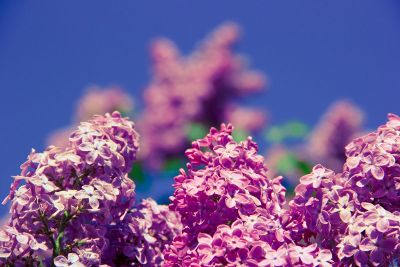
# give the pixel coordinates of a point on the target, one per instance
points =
(275, 257)
(88, 192)
(72, 260)
(324, 259)
(315, 178)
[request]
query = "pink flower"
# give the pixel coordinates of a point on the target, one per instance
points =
(303, 253)
(227, 153)
(380, 216)
(96, 149)
(274, 257)
(85, 133)
(235, 178)
(345, 208)
(315, 178)
(378, 247)
(209, 248)
(217, 188)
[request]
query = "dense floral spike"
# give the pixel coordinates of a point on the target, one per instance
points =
(355, 214)
(64, 199)
(198, 88)
(95, 101)
(341, 124)
(231, 212)
(140, 238)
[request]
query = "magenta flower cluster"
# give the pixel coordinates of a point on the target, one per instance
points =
(356, 213)
(198, 88)
(234, 215)
(68, 203)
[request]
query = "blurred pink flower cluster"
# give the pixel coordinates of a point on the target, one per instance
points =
(342, 123)
(198, 88)
(96, 101)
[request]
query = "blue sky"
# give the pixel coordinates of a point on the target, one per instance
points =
(314, 52)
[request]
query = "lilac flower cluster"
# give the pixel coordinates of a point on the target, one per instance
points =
(95, 101)
(199, 88)
(355, 214)
(67, 202)
(232, 214)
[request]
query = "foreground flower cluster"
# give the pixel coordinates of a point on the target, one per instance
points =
(233, 214)
(75, 206)
(356, 213)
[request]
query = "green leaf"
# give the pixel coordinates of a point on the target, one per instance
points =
(195, 131)
(239, 135)
(137, 173)
(287, 164)
(275, 134)
(173, 164)
(304, 167)
(295, 129)
(125, 113)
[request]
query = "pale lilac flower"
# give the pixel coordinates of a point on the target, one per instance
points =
(91, 194)
(71, 261)
(324, 259)
(315, 178)
(44, 182)
(22, 195)
(95, 150)
(275, 257)
(345, 208)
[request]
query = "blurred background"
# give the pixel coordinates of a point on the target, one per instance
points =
(311, 54)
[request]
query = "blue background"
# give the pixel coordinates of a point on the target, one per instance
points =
(314, 52)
